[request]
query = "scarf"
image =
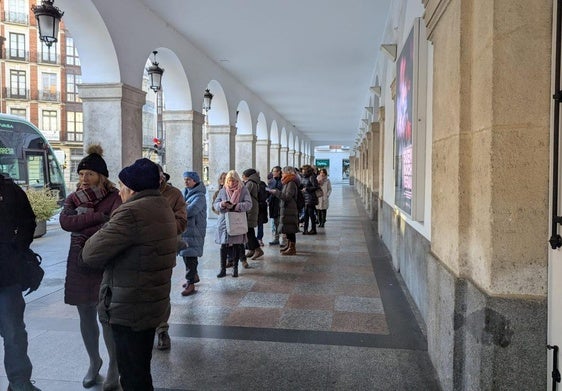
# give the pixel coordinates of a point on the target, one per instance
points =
(286, 178)
(84, 200)
(233, 192)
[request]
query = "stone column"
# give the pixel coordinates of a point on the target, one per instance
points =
(245, 152)
(283, 156)
(262, 158)
(274, 156)
(184, 143)
(221, 151)
(291, 158)
(374, 171)
(113, 119)
(298, 159)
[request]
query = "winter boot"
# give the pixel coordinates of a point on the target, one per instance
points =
(222, 273)
(291, 250)
(235, 268)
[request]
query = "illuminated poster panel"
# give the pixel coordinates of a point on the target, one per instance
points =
(404, 151)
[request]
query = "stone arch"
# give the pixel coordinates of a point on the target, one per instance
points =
(98, 58)
(175, 85)
(274, 134)
(261, 127)
(244, 119)
(283, 140)
(219, 114)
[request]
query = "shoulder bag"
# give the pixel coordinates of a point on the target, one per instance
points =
(236, 223)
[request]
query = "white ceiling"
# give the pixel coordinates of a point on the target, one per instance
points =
(310, 60)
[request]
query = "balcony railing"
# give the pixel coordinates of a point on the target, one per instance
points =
(16, 93)
(48, 96)
(16, 54)
(16, 17)
(45, 59)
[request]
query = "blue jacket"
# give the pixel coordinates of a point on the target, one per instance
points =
(194, 235)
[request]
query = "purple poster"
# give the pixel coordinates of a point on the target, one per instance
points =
(404, 109)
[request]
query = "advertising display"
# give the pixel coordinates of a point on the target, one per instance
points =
(404, 154)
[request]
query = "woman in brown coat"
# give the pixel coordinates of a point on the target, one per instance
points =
(289, 218)
(83, 214)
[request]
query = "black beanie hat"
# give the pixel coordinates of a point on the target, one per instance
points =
(94, 161)
(141, 175)
(250, 171)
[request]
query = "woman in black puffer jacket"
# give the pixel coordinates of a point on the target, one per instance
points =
(309, 186)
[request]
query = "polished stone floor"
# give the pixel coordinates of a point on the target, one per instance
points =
(333, 317)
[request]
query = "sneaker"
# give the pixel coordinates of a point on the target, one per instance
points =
(261, 242)
(164, 342)
(274, 243)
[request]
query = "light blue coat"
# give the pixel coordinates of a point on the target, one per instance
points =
(194, 234)
(244, 205)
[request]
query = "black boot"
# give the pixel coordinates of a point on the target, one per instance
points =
(235, 268)
(222, 273)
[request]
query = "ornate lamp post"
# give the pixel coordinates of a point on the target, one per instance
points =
(207, 99)
(155, 74)
(48, 19)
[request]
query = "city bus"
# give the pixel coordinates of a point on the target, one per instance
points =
(27, 157)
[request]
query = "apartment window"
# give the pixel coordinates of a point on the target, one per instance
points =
(48, 86)
(19, 112)
(17, 84)
(72, 82)
(48, 54)
(16, 11)
(74, 126)
(71, 53)
(17, 46)
(49, 121)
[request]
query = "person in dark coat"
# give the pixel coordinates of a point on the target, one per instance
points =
(309, 185)
(84, 212)
(252, 180)
(289, 214)
(195, 195)
(274, 204)
(136, 250)
(17, 224)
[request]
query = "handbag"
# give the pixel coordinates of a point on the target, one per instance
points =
(236, 223)
(32, 272)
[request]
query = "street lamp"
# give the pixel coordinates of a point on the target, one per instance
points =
(48, 18)
(155, 74)
(207, 98)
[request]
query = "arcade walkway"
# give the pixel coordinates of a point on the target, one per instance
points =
(334, 317)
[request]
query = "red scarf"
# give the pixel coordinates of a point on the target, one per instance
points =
(286, 178)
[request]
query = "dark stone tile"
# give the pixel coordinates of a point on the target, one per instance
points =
(354, 322)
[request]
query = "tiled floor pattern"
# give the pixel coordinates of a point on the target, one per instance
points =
(314, 321)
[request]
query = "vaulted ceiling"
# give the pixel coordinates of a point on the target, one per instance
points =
(311, 60)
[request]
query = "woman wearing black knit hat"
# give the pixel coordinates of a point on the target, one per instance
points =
(84, 213)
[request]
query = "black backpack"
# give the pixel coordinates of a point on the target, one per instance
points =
(262, 193)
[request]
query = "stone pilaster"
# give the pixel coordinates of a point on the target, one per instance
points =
(283, 156)
(183, 140)
(291, 158)
(221, 150)
(298, 159)
(113, 119)
(245, 152)
(262, 158)
(274, 155)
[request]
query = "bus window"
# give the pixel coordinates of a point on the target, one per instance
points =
(36, 169)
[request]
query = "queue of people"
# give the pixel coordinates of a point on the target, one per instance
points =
(123, 247)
